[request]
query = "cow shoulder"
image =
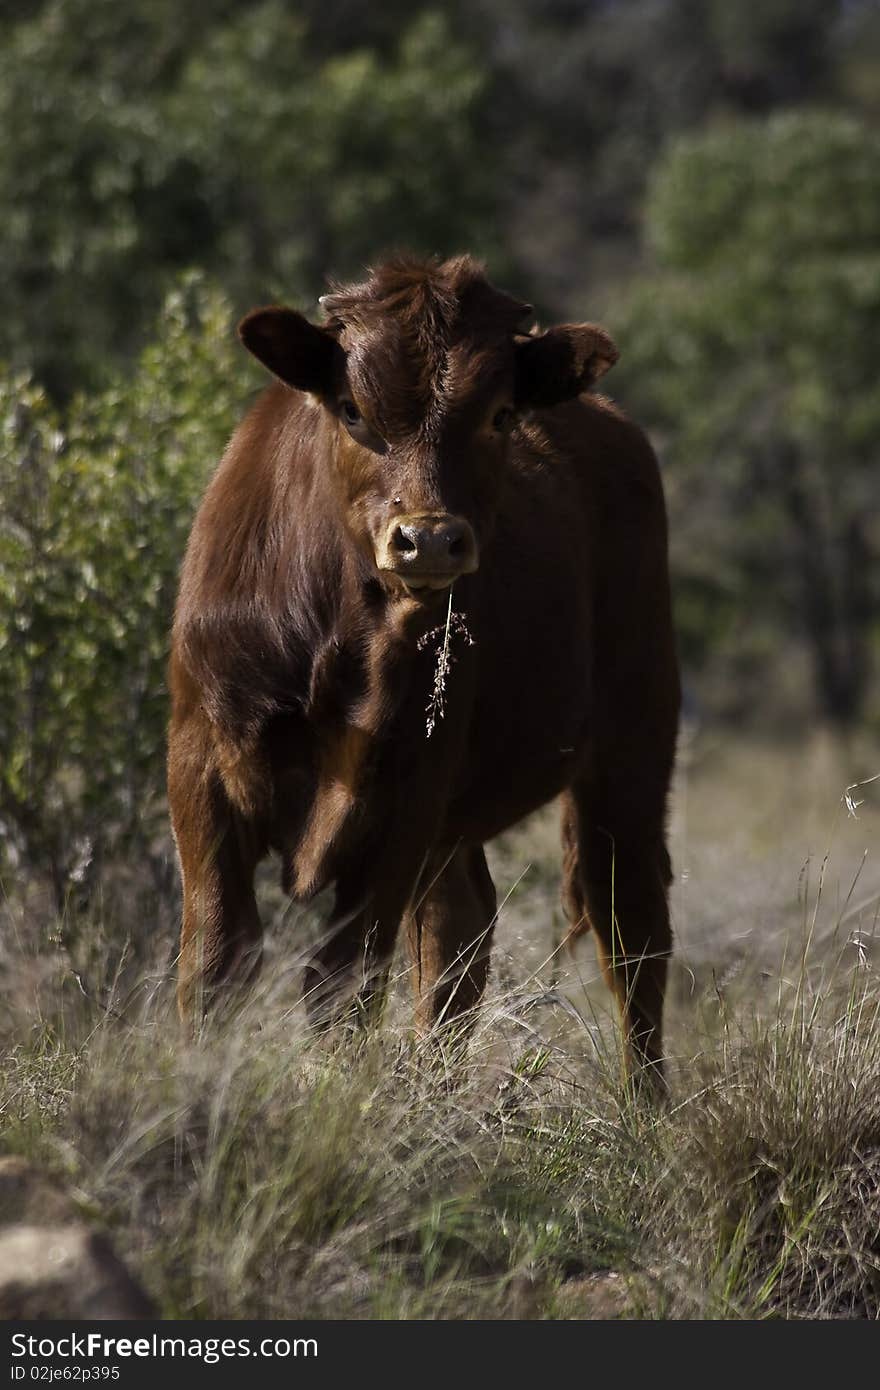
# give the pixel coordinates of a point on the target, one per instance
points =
(244, 631)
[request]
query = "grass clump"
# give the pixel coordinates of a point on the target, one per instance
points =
(263, 1173)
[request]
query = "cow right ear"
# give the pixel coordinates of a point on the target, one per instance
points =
(294, 350)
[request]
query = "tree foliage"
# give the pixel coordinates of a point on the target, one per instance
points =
(144, 138)
(753, 349)
(273, 141)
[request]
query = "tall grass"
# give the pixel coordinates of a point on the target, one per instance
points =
(266, 1173)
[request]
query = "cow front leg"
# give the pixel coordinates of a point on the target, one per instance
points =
(449, 933)
(345, 981)
(218, 848)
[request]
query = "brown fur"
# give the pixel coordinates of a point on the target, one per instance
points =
(306, 642)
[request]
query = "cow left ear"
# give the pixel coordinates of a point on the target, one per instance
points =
(557, 365)
(296, 351)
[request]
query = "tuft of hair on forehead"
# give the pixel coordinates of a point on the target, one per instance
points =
(430, 299)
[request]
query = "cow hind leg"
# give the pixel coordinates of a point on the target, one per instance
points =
(221, 934)
(616, 878)
(449, 934)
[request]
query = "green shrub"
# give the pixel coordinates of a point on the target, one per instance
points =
(94, 524)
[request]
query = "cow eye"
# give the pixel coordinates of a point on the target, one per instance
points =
(503, 419)
(359, 428)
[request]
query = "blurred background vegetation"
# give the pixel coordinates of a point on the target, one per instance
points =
(702, 177)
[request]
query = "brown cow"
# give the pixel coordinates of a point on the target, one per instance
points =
(425, 593)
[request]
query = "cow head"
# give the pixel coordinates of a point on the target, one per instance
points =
(424, 372)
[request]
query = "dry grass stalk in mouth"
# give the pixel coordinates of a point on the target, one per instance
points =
(455, 626)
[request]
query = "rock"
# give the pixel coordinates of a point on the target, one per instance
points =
(65, 1272)
(28, 1195)
(595, 1298)
(51, 1264)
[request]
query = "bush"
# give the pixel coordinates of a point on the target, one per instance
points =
(96, 514)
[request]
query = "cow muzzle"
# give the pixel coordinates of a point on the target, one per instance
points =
(428, 552)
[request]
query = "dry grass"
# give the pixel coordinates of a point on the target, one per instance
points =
(263, 1173)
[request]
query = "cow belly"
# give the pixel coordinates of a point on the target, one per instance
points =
(484, 811)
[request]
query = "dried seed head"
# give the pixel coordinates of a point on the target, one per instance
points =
(455, 626)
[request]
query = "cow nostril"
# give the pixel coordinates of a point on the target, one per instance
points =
(401, 541)
(456, 545)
